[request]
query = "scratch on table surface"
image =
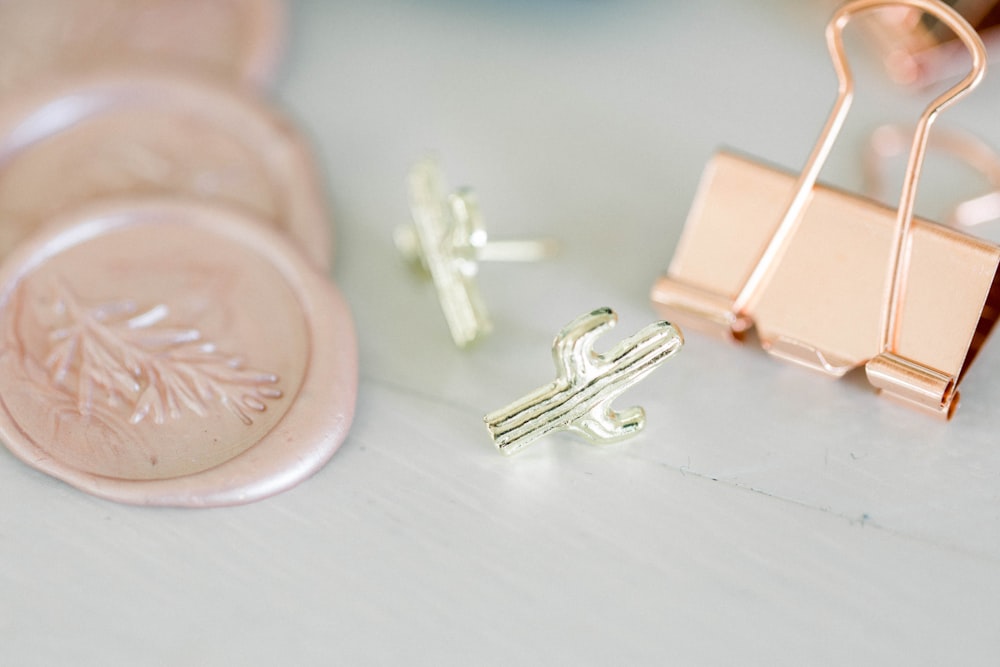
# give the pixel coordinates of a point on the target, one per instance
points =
(865, 519)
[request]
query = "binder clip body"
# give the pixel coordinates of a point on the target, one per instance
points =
(833, 281)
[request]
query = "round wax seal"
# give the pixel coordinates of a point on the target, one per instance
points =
(172, 353)
(237, 40)
(140, 132)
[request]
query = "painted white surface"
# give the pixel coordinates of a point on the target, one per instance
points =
(766, 517)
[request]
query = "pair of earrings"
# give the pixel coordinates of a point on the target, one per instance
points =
(810, 288)
(447, 240)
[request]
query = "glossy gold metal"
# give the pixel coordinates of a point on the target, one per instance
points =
(579, 399)
(443, 249)
(447, 240)
(831, 280)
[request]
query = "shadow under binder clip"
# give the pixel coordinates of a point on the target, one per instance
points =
(832, 280)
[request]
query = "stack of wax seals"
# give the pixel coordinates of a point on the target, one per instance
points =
(167, 332)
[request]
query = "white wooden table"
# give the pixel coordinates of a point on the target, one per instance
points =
(767, 516)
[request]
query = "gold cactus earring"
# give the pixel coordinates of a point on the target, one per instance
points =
(447, 240)
(579, 399)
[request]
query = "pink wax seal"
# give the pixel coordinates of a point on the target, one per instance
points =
(170, 352)
(236, 40)
(148, 132)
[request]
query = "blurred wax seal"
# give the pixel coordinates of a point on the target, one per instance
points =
(235, 40)
(136, 131)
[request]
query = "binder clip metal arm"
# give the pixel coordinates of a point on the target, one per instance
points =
(887, 142)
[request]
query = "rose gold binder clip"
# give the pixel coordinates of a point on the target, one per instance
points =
(831, 280)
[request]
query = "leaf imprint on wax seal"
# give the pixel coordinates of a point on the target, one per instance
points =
(123, 355)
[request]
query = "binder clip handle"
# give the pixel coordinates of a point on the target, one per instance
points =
(886, 142)
(899, 259)
(845, 95)
(890, 372)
